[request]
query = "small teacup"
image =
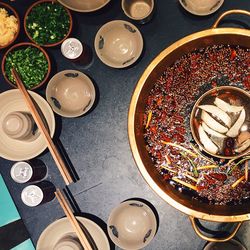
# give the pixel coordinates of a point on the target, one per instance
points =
(68, 242)
(138, 10)
(18, 125)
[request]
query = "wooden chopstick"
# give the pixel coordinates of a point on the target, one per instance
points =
(40, 124)
(68, 212)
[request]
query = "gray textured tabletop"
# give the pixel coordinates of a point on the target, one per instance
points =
(97, 144)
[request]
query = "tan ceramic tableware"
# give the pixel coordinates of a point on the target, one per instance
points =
(138, 10)
(132, 225)
(18, 125)
(12, 101)
(118, 44)
(84, 6)
(70, 93)
(201, 7)
(60, 233)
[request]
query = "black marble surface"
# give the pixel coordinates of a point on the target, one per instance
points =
(97, 144)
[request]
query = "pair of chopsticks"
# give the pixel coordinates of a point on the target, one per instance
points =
(40, 124)
(77, 228)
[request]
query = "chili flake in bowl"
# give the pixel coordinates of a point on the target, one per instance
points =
(30, 61)
(47, 23)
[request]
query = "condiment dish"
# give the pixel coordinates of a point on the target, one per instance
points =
(37, 65)
(132, 225)
(84, 6)
(70, 93)
(219, 122)
(11, 12)
(118, 44)
(45, 34)
(201, 7)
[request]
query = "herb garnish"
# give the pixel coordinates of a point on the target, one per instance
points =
(48, 23)
(30, 63)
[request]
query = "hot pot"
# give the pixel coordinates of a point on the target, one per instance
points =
(183, 202)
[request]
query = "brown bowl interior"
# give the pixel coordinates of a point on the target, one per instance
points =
(20, 45)
(11, 11)
(51, 44)
(236, 91)
(144, 161)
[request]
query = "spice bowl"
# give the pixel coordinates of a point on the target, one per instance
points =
(8, 14)
(19, 56)
(220, 124)
(70, 93)
(57, 27)
(132, 225)
(118, 44)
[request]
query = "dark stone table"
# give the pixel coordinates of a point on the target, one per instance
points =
(97, 144)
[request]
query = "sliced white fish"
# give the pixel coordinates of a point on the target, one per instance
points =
(226, 106)
(211, 131)
(212, 123)
(234, 130)
(214, 110)
(243, 147)
(206, 141)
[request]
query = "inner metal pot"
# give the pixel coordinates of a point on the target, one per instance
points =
(183, 202)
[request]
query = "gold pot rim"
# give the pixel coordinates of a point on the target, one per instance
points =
(131, 125)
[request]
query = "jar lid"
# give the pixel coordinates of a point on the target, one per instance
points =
(21, 172)
(32, 195)
(71, 48)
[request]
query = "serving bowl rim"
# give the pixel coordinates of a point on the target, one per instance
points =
(86, 11)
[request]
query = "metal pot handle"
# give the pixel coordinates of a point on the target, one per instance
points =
(222, 239)
(229, 12)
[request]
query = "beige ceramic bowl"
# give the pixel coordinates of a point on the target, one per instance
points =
(58, 229)
(132, 225)
(84, 5)
(70, 93)
(118, 44)
(18, 150)
(201, 7)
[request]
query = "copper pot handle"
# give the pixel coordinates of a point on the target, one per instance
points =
(229, 12)
(213, 239)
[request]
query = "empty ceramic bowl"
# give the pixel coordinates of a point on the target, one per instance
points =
(84, 6)
(132, 225)
(201, 7)
(118, 44)
(70, 93)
